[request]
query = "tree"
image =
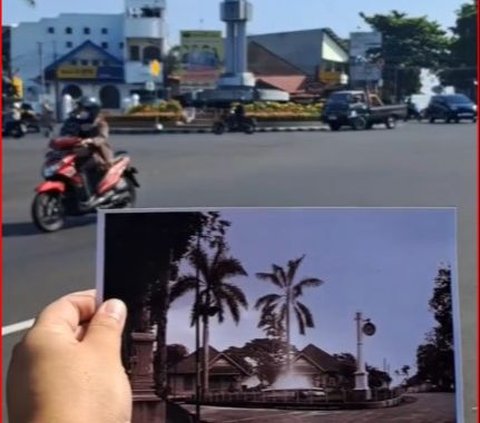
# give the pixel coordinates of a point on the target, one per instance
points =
(287, 301)
(347, 369)
(462, 60)
(409, 44)
(435, 359)
(141, 253)
(217, 293)
(377, 378)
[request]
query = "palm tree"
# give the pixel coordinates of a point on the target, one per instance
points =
(217, 293)
(287, 300)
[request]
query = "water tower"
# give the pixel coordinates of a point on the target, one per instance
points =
(236, 14)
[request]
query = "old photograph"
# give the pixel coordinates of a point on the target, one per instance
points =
(315, 315)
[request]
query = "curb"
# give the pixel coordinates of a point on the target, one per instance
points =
(128, 131)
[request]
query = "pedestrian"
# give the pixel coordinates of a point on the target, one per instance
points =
(68, 366)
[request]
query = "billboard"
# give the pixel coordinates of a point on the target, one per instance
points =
(366, 61)
(202, 56)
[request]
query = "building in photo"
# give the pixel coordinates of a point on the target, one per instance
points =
(227, 374)
(100, 55)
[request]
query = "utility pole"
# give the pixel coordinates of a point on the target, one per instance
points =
(55, 79)
(42, 70)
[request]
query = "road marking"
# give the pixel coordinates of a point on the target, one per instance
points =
(17, 327)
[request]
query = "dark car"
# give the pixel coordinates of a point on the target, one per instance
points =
(360, 110)
(451, 107)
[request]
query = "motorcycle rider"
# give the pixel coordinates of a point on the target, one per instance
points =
(94, 130)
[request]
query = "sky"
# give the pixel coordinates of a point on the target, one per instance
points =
(269, 15)
(381, 262)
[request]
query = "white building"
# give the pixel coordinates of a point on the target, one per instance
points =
(105, 56)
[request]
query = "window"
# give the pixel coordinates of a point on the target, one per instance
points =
(104, 45)
(86, 30)
(68, 30)
(106, 63)
(104, 30)
(84, 62)
(51, 30)
(121, 45)
(95, 62)
(69, 44)
(134, 53)
(73, 62)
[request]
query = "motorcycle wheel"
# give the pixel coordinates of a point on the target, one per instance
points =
(48, 213)
(19, 131)
(218, 128)
(249, 129)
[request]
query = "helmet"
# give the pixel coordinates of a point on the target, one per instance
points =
(90, 107)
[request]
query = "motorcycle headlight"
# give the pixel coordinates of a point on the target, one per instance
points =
(49, 171)
(353, 114)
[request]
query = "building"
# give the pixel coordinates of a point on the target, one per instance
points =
(100, 55)
(226, 374)
(322, 369)
(319, 55)
(6, 49)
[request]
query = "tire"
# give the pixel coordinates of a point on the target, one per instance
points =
(359, 124)
(334, 126)
(48, 213)
(249, 128)
(218, 128)
(391, 122)
(18, 131)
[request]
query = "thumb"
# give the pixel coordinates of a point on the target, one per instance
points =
(106, 326)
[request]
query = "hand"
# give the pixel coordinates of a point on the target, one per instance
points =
(68, 367)
(86, 142)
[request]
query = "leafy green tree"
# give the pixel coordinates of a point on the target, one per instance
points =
(217, 292)
(462, 60)
(377, 378)
(288, 300)
(409, 44)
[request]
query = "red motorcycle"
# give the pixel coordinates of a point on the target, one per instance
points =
(69, 191)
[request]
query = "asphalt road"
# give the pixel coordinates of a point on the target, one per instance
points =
(421, 408)
(415, 165)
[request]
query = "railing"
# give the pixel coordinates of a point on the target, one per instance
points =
(335, 397)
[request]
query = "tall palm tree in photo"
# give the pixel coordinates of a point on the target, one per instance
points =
(217, 293)
(287, 301)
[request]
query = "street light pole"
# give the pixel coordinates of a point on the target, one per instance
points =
(361, 389)
(42, 71)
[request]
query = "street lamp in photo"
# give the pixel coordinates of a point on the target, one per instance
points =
(364, 328)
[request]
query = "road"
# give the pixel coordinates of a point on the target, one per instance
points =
(421, 408)
(415, 165)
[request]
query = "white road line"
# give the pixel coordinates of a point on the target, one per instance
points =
(17, 327)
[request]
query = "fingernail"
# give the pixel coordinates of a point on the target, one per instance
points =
(115, 309)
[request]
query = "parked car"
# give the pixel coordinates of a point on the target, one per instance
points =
(360, 110)
(451, 107)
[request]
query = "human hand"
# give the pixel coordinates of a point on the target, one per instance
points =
(86, 142)
(68, 367)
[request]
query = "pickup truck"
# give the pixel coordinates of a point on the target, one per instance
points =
(360, 110)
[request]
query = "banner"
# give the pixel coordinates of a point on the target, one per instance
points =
(366, 61)
(77, 72)
(202, 56)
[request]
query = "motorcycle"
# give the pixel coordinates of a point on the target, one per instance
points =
(13, 127)
(233, 124)
(68, 191)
